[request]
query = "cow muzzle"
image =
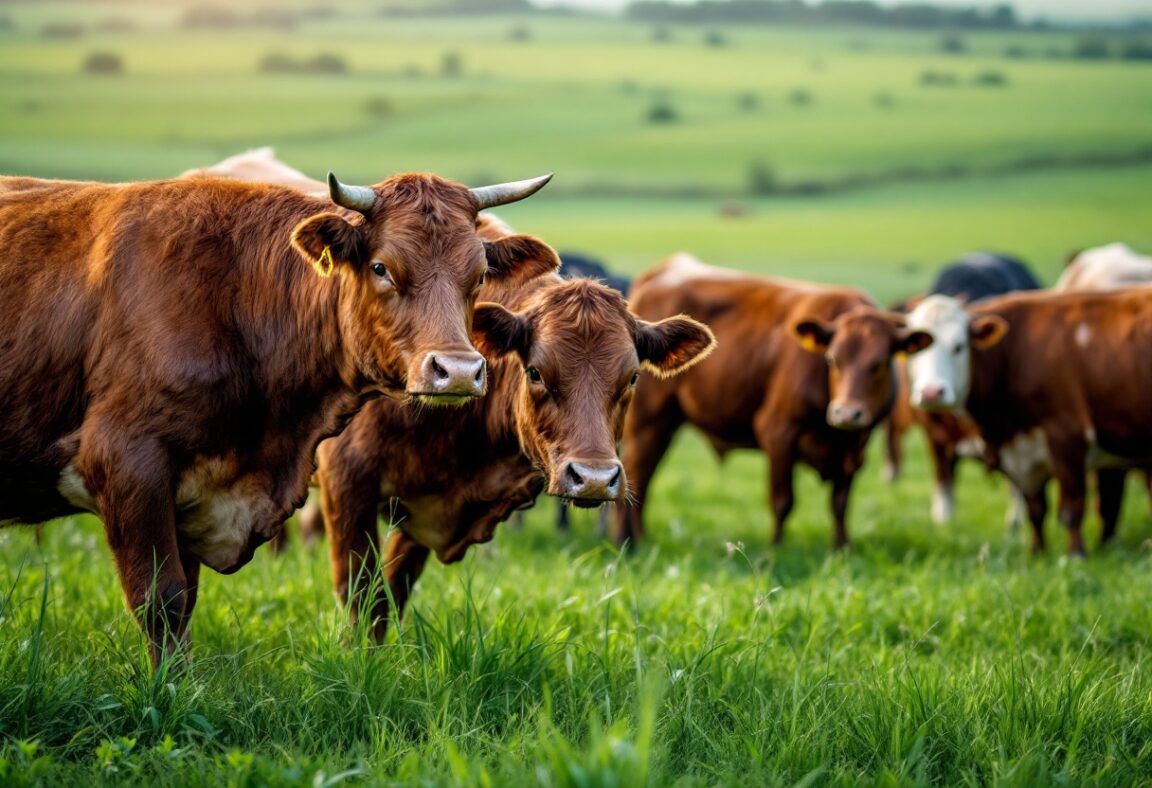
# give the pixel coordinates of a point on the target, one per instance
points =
(449, 378)
(933, 396)
(848, 415)
(588, 484)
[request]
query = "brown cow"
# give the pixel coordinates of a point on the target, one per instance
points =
(172, 352)
(814, 400)
(1057, 383)
(563, 367)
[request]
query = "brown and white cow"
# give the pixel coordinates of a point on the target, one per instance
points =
(1056, 382)
(802, 372)
(174, 351)
(1104, 268)
(563, 368)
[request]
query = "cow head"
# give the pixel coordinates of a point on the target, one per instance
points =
(939, 378)
(859, 347)
(410, 265)
(581, 352)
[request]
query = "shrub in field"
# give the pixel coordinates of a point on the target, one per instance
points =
(326, 63)
(761, 179)
(885, 100)
(379, 106)
(104, 63)
(520, 33)
(1091, 48)
(1016, 52)
(451, 64)
(715, 39)
(748, 102)
(662, 112)
(932, 78)
(661, 35)
(991, 79)
(953, 44)
(6, 23)
(62, 30)
(1137, 50)
(800, 98)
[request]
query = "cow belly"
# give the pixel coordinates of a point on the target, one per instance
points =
(1027, 461)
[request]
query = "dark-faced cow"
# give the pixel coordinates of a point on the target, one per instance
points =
(174, 351)
(563, 366)
(1057, 384)
(802, 372)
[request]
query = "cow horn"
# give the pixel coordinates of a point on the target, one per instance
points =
(356, 198)
(504, 193)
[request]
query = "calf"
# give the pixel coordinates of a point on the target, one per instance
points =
(563, 369)
(803, 372)
(174, 351)
(1057, 383)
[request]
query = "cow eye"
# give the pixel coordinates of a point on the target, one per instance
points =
(534, 375)
(380, 270)
(635, 378)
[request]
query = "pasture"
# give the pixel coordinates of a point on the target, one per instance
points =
(922, 654)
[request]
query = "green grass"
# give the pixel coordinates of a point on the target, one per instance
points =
(923, 655)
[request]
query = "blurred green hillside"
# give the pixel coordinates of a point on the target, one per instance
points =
(857, 154)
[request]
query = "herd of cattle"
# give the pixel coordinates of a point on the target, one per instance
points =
(185, 358)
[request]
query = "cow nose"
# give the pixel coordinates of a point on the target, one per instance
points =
(591, 483)
(847, 415)
(934, 394)
(450, 374)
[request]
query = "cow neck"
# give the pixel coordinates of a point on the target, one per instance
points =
(989, 377)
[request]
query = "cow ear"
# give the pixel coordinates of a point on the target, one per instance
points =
(912, 341)
(328, 238)
(987, 330)
(516, 259)
(672, 345)
(497, 331)
(814, 335)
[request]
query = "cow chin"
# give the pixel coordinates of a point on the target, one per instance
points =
(442, 400)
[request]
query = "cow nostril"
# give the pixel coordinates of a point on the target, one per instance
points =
(574, 476)
(480, 373)
(438, 369)
(615, 478)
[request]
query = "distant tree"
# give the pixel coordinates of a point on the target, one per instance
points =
(1137, 50)
(953, 44)
(520, 33)
(107, 63)
(715, 39)
(278, 63)
(451, 64)
(761, 179)
(932, 78)
(6, 22)
(662, 112)
(379, 106)
(800, 97)
(1015, 52)
(885, 100)
(1091, 47)
(991, 79)
(661, 34)
(748, 102)
(327, 63)
(62, 30)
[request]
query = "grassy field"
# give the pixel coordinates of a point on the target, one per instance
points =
(922, 655)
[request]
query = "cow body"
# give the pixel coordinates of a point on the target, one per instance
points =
(1105, 268)
(1057, 384)
(171, 356)
(972, 277)
(761, 388)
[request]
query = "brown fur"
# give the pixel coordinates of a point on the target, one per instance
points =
(165, 341)
(762, 388)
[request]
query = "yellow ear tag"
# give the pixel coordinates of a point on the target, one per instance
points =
(325, 264)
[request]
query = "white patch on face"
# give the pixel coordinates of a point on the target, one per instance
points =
(1083, 335)
(1026, 461)
(944, 366)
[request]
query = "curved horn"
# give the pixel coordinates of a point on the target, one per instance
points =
(356, 198)
(504, 193)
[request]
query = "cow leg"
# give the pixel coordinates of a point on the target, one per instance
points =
(404, 562)
(191, 567)
(1110, 495)
(1072, 478)
(311, 520)
(350, 521)
(894, 442)
(781, 496)
(1037, 505)
(944, 468)
(841, 490)
(648, 435)
(132, 486)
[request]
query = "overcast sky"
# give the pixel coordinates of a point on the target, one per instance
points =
(1065, 9)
